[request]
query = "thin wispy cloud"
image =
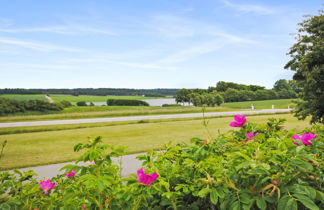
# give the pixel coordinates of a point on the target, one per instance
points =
(248, 8)
(5, 22)
(194, 51)
(70, 29)
(44, 47)
(102, 61)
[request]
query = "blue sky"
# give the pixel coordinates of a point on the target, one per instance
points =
(147, 43)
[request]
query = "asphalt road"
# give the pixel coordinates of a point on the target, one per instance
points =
(146, 117)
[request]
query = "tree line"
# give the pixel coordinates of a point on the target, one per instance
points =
(161, 92)
(233, 92)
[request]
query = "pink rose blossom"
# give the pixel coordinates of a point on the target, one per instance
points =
(305, 138)
(240, 120)
(46, 185)
(71, 174)
(146, 179)
(250, 136)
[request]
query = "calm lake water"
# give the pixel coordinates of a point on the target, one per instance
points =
(151, 102)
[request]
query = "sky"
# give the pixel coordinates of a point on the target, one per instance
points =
(147, 43)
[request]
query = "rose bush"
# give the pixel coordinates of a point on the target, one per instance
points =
(251, 167)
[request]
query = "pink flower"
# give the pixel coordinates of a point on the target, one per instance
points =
(46, 185)
(146, 179)
(240, 120)
(71, 174)
(305, 138)
(250, 136)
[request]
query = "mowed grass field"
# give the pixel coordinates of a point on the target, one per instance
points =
(39, 148)
(266, 104)
(24, 97)
(106, 111)
(87, 98)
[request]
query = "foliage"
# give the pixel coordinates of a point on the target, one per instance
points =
(208, 99)
(307, 60)
(81, 103)
(222, 86)
(3, 145)
(171, 105)
(10, 106)
(66, 103)
(183, 95)
(125, 102)
(266, 172)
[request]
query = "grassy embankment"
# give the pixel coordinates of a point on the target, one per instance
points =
(39, 148)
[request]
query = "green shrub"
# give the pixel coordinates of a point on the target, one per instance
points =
(252, 167)
(81, 103)
(170, 105)
(10, 106)
(126, 102)
(66, 104)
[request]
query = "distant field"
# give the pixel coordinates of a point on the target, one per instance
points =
(106, 111)
(266, 104)
(47, 147)
(87, 98)
(24, 97)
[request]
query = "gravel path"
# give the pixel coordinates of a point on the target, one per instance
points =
(146, 117)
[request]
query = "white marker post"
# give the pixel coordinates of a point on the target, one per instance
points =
(252, 107)
(272, 106)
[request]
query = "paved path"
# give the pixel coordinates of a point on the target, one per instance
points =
(129, 165)
(146, 117)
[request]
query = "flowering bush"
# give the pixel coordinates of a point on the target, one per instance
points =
(251, 167)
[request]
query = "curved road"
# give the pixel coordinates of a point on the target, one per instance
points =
(146, 117)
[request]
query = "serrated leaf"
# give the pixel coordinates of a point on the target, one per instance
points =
(214, 196)
(302, 164)
(291, 204)
(261, 203)
(202, 193)
(306, 201)
(282, 203)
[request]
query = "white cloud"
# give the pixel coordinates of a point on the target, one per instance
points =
(248, 8)
(45, 47)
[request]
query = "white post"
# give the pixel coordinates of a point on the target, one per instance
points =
(272, 106)
(252, 107)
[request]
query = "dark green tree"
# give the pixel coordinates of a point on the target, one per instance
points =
(183, 95)
(307, 60)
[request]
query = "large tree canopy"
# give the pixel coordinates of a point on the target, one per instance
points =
(307, 60)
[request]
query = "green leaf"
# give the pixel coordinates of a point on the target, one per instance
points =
(202, 193)
(214, 196)
(306, 201)
(282, 203)
(261, 203)
(291, 204)
(302, 164)
(319, 195)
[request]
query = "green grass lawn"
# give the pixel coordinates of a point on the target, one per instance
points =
(266, 104)
(76, 112)
(106, 111)
(88, 98)
(39, 148)
(24, 97)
